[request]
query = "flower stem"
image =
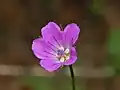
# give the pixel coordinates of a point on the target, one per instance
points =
(73, 77)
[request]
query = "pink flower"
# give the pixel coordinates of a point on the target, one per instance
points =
(55, 48)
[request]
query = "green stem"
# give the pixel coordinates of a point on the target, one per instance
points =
(73, 77)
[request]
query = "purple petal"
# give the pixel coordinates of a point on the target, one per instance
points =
(51, 33)
(73, 57)
(41, 49)
(50, 65)
(71, 33)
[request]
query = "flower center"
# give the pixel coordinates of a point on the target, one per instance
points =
(63, 54)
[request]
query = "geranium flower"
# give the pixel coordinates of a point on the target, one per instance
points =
(56, 47)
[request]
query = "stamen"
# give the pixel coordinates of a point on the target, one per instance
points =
(61, 48)
(67, 57)
(62, 59)
(63, 54)
(66, 51)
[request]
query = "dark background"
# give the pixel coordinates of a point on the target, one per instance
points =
(98, 65)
